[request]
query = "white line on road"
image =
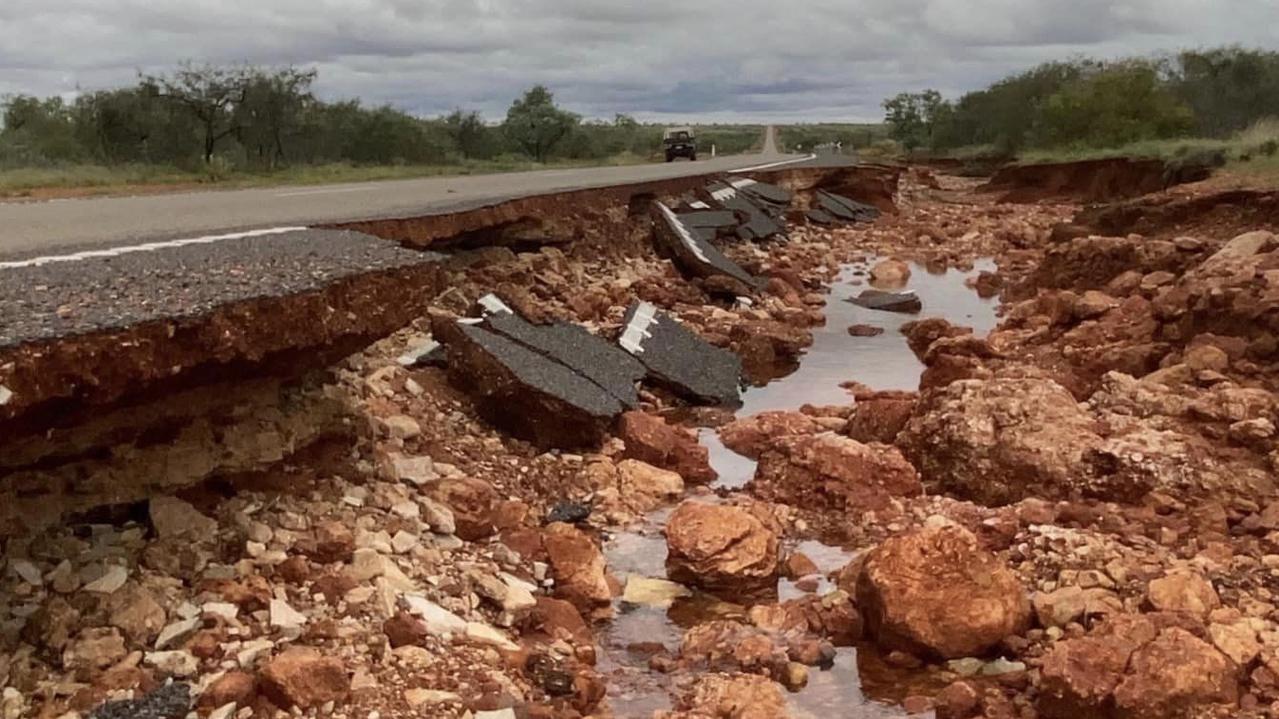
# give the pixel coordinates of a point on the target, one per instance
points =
(146, 247)
(777, 164)
(327, 191)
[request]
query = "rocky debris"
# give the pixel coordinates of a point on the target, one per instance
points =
(880, 416)
(304, 677)
(905, 301)
(697, 256)
(921, 334)
(999, 440)
(722, 549)
(172, 517)
(752, 436)
(832, 471)
(678, 360)
(650, 439)
(758, 206)
(934, 592)
(1183, 591)
(889, 273)
(730, 696)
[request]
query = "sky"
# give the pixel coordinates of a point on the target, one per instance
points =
(659, 60)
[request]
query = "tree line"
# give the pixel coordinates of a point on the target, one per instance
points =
(1088, 103)
(262, 119)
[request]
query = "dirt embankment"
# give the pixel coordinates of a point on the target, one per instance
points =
(1087, 181)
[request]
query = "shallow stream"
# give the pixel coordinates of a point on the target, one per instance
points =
(858, 685)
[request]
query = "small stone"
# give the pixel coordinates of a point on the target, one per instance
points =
(286, 617)
(305, 678)
(110, 582)
(402, 426)
(484, 634)
(651, 592)
(177, 663)
(403, 542)
(173, 517)
(417, 698)
(177, 632)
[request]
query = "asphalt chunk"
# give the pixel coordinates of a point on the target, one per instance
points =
(678, 359)
(906, 301)
(709, 224)
(171, 701)
(593, 357)
(526, 393)
(760, 223)
(763, 191)
(58, 299)
(696, 255)
(843, 208)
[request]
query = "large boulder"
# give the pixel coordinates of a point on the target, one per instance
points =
(723, 549)
(833, 471)
(1079, 676)
(730, 696)
(881, 416)
(997, 441)
(472, 502)
(935, 592)
(650, 439)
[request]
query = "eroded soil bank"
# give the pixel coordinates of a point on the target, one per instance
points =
(1072, 514)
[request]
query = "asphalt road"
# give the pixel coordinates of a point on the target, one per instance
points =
(64, 226)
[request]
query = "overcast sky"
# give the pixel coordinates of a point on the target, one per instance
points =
(656, 59)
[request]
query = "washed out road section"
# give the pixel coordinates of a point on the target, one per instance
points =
(46, 228)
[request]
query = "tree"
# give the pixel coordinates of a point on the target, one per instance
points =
(210, 94)
(912, 117)
(468, 132)
(270, 110)
(1119, 103)
(536, 125)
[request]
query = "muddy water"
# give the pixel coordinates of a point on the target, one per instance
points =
(882, 362)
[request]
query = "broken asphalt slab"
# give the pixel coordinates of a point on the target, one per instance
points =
(906, 301)
(843, 208)
(760, 221)
(678, 359)
(696, 255)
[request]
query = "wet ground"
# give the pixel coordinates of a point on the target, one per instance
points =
(882, 362)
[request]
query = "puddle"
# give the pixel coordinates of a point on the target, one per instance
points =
(858, 684)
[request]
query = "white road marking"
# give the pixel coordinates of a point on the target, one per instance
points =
(6, 394)
(811, 156)
(145, 247)
(684, 235)
(493, 304)
(637, 329)
(327, 191)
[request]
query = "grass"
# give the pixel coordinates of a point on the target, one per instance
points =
(99, 179)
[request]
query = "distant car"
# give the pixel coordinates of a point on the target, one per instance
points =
(679, 142)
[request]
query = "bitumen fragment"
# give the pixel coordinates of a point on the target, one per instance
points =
(761, 222)
(845, 209)
(571, 345)
(905, 301)
(527, 393)
(696, 255)
(709, 224)
(821, 217)
(763, 191)
(171, 701)
(678, 359)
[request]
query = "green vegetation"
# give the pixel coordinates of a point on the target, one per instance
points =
(245, 125)
(1214, 104)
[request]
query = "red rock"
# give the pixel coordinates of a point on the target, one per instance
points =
(889, 274)
(721, 548)
(294, 570)
(832, 471)
(1173, 675)
(881, 416)
(249, 594)
(798, 565)
(472, 502)
(650, 439)
(865, 331)
(958, 700)
(334, 542)
(557, 617)
(303, 677)
(730, 696)
(754, 435)
(404, 629)
(921, 334)
(1183, 591)
(233, 687)
(1079, 676)
(577, 566)
(934, 592)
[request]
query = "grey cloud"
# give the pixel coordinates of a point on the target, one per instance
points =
(714, 59)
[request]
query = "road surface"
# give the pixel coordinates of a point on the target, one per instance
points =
(63, 226)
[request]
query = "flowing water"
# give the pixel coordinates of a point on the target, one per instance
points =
(858, 685)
